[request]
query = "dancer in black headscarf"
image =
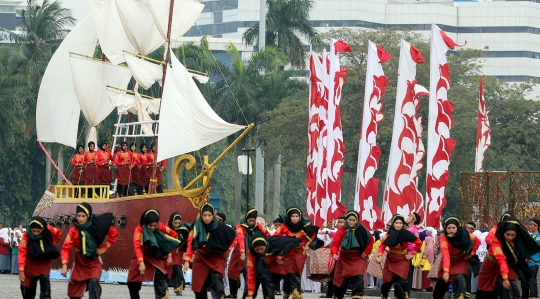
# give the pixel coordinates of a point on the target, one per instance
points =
(153, 244)
(299, 227)
(509, 245)
(182, 229)
(36, 252)
(211, 241)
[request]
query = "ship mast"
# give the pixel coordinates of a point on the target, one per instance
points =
(153, 178)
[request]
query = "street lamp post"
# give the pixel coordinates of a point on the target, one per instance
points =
(247, 177)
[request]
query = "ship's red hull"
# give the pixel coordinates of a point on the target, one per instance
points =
(120, 254)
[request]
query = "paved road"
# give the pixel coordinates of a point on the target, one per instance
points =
(9, 289)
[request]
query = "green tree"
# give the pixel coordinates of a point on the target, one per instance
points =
(514, 132)
(286, 22)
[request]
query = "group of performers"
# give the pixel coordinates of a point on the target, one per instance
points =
(133, 170)
(161, 250)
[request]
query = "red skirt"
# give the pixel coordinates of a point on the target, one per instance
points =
(202, 264)
(123, 174)
(145, 175)
(77, 175)
(89, 174)
(490, 271)
(236, 265)
(396, 264)
(276, 269)
(150, 263)
(177, 257)
(135, 176)
(457, 266)
(349, 264)
(84, 269)
(35, 268)
(294, 261)
(103, 175)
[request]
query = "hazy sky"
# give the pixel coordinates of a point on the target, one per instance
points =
(78, 8)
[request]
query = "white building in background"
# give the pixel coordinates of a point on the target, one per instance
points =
(509, 29)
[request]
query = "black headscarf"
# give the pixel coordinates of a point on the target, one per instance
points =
(398, 237)
(95, 229)
(250, 229)
(182, 231)
(78, 147)
(277, 246)
(41, 247)
(158, 243)
(377, 235)
(303, 225)
(278, 220)
(220, 234)
(222, 216)
(356, 237)
(174, 216)
(461, 240)
(417, 218)
(522, 247)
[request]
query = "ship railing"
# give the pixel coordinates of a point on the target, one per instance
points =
(136, 129)
(81, 191)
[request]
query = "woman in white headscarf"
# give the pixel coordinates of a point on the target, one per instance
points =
(15, 251)
(5, 252)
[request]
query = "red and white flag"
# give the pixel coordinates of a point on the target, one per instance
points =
(327, 149)
(483, 132)
(365, 201)
(407, 150)
(440, 145)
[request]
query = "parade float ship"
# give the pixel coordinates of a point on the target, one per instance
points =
(74, 82)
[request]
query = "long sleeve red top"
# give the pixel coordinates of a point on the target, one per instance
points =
(23, 245)
(123, 158)
(495, 252)
(135, 159)
(401, 247)
(448, 250)
(77, 160)
(283, 230)
(102, 158)
(89, 158)
(138, 238)
(73, 241)
(241, 235)
(338, 238)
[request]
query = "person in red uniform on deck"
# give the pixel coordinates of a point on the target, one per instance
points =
(294, 261)
(153, 243)
(458, 246)
(262, 251)
(182, 229)
(244, 234)
(103, 160)
(210, 241)
(135, 179)
(36, 252)
(86, 236)
(509, 245)
(123, 170)
(78, 168)
(90, 168)
(151, 156)
(356, 244)
(145, 164)
(396, 267)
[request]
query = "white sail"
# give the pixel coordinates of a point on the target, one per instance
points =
(122, 101)
(144, 72)
(187, 122)
(57, 112)
(90, 78)
(112, 38)
(185, 13)
(202, 79)
(139, 25)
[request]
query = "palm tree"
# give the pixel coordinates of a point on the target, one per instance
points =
(286, 20)
(237, 95)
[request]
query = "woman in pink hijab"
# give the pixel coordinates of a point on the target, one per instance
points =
(429, 254)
